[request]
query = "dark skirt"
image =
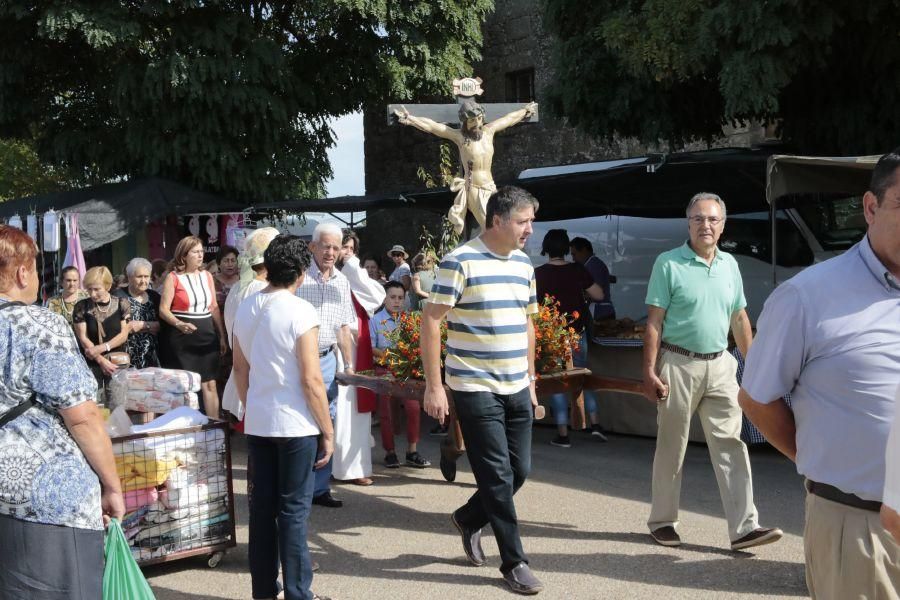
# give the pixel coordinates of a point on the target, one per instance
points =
(197, 351)
(50, 562)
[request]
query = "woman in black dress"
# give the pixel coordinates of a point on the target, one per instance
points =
(142, 342)
(101, 310)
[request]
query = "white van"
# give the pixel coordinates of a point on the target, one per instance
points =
(809, 233)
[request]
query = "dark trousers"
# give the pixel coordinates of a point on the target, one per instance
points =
(280, 492)
(328, 364)
(497, 431)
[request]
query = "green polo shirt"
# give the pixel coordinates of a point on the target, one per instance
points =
(699, 299)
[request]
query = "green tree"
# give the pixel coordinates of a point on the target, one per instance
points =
(828, 71)
(23, 174)
(226, 95)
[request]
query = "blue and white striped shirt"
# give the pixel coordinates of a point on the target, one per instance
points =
(492, 298)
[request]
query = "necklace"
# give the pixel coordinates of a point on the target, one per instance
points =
(105, 311)
(65, 306)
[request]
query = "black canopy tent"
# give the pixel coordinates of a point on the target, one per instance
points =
(651, 186)
(110, 211)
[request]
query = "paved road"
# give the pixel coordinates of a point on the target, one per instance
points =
(583, 513)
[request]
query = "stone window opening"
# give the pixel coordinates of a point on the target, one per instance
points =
(520, 85)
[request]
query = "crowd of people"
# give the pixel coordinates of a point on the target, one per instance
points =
(284, 317)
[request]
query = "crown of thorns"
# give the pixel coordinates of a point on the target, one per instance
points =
(470, 110)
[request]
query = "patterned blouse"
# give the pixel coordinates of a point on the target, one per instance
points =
(44, 476)
(60, 307)
(142, 346)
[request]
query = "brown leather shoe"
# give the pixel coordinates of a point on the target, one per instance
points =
(364, 481)
(666, 536)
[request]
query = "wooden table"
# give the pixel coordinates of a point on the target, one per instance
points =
(573, 381)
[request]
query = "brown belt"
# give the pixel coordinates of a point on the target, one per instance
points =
(829, 492)
(688, 353)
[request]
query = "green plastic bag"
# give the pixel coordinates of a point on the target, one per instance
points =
(122, 578)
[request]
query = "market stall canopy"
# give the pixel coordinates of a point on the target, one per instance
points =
(796, 175)
(110, 211)
(657, 185)
(338, 204)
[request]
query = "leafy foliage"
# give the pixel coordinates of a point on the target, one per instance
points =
(23, 174)
(226, 95)
(680, 70)
(448, 238)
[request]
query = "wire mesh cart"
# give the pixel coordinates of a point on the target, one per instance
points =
(179, 497)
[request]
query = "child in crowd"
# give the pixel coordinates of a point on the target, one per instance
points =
(380, 325)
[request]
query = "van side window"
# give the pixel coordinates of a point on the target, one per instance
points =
(836, 222)
(750, 234)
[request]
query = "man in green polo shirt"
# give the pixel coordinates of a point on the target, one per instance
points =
(695, 294)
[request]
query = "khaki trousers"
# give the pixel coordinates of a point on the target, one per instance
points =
(849, 555)
(709, 388)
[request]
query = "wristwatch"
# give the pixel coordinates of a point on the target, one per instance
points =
(532, 378)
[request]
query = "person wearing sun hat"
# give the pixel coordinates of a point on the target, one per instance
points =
(402, 272)
(252, 279)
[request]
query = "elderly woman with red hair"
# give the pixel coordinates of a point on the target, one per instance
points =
(58, 480)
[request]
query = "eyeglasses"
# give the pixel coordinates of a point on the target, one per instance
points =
(396, 254)
(698, 220)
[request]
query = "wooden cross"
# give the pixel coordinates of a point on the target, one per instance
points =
(449, 113)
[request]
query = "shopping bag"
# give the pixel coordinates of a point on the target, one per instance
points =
(122, 578)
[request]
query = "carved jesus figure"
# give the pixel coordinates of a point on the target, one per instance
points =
(475, 141)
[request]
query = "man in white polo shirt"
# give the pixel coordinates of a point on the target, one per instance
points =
(830, 337)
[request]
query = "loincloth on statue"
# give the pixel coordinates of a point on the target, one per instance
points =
(471, 197)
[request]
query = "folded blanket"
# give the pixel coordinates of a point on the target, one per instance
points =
(160, 514)
(163, 380)
(214, 488)
(149, 531)
(137, 472)
(195, 532)
(159, 402)
(133, 518)
(178, 418)
(135, 499)
(165, 447)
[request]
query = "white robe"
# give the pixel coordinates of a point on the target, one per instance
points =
(353, 429)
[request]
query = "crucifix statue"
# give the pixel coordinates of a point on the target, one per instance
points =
(474, 139)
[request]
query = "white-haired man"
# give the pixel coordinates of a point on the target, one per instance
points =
(695, 293)
(329, 292)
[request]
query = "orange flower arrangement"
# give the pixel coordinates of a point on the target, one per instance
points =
(555, 338)
(404, 358)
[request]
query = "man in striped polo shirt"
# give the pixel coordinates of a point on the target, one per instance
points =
(486, 290)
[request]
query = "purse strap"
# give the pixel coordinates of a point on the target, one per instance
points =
(24, 405)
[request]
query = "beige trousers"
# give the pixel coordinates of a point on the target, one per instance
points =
(709, 388)
(849, 555)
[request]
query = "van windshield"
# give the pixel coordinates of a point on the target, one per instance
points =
(836, 222)
(750, 234)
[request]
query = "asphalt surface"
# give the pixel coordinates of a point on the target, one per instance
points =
(582, 514)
